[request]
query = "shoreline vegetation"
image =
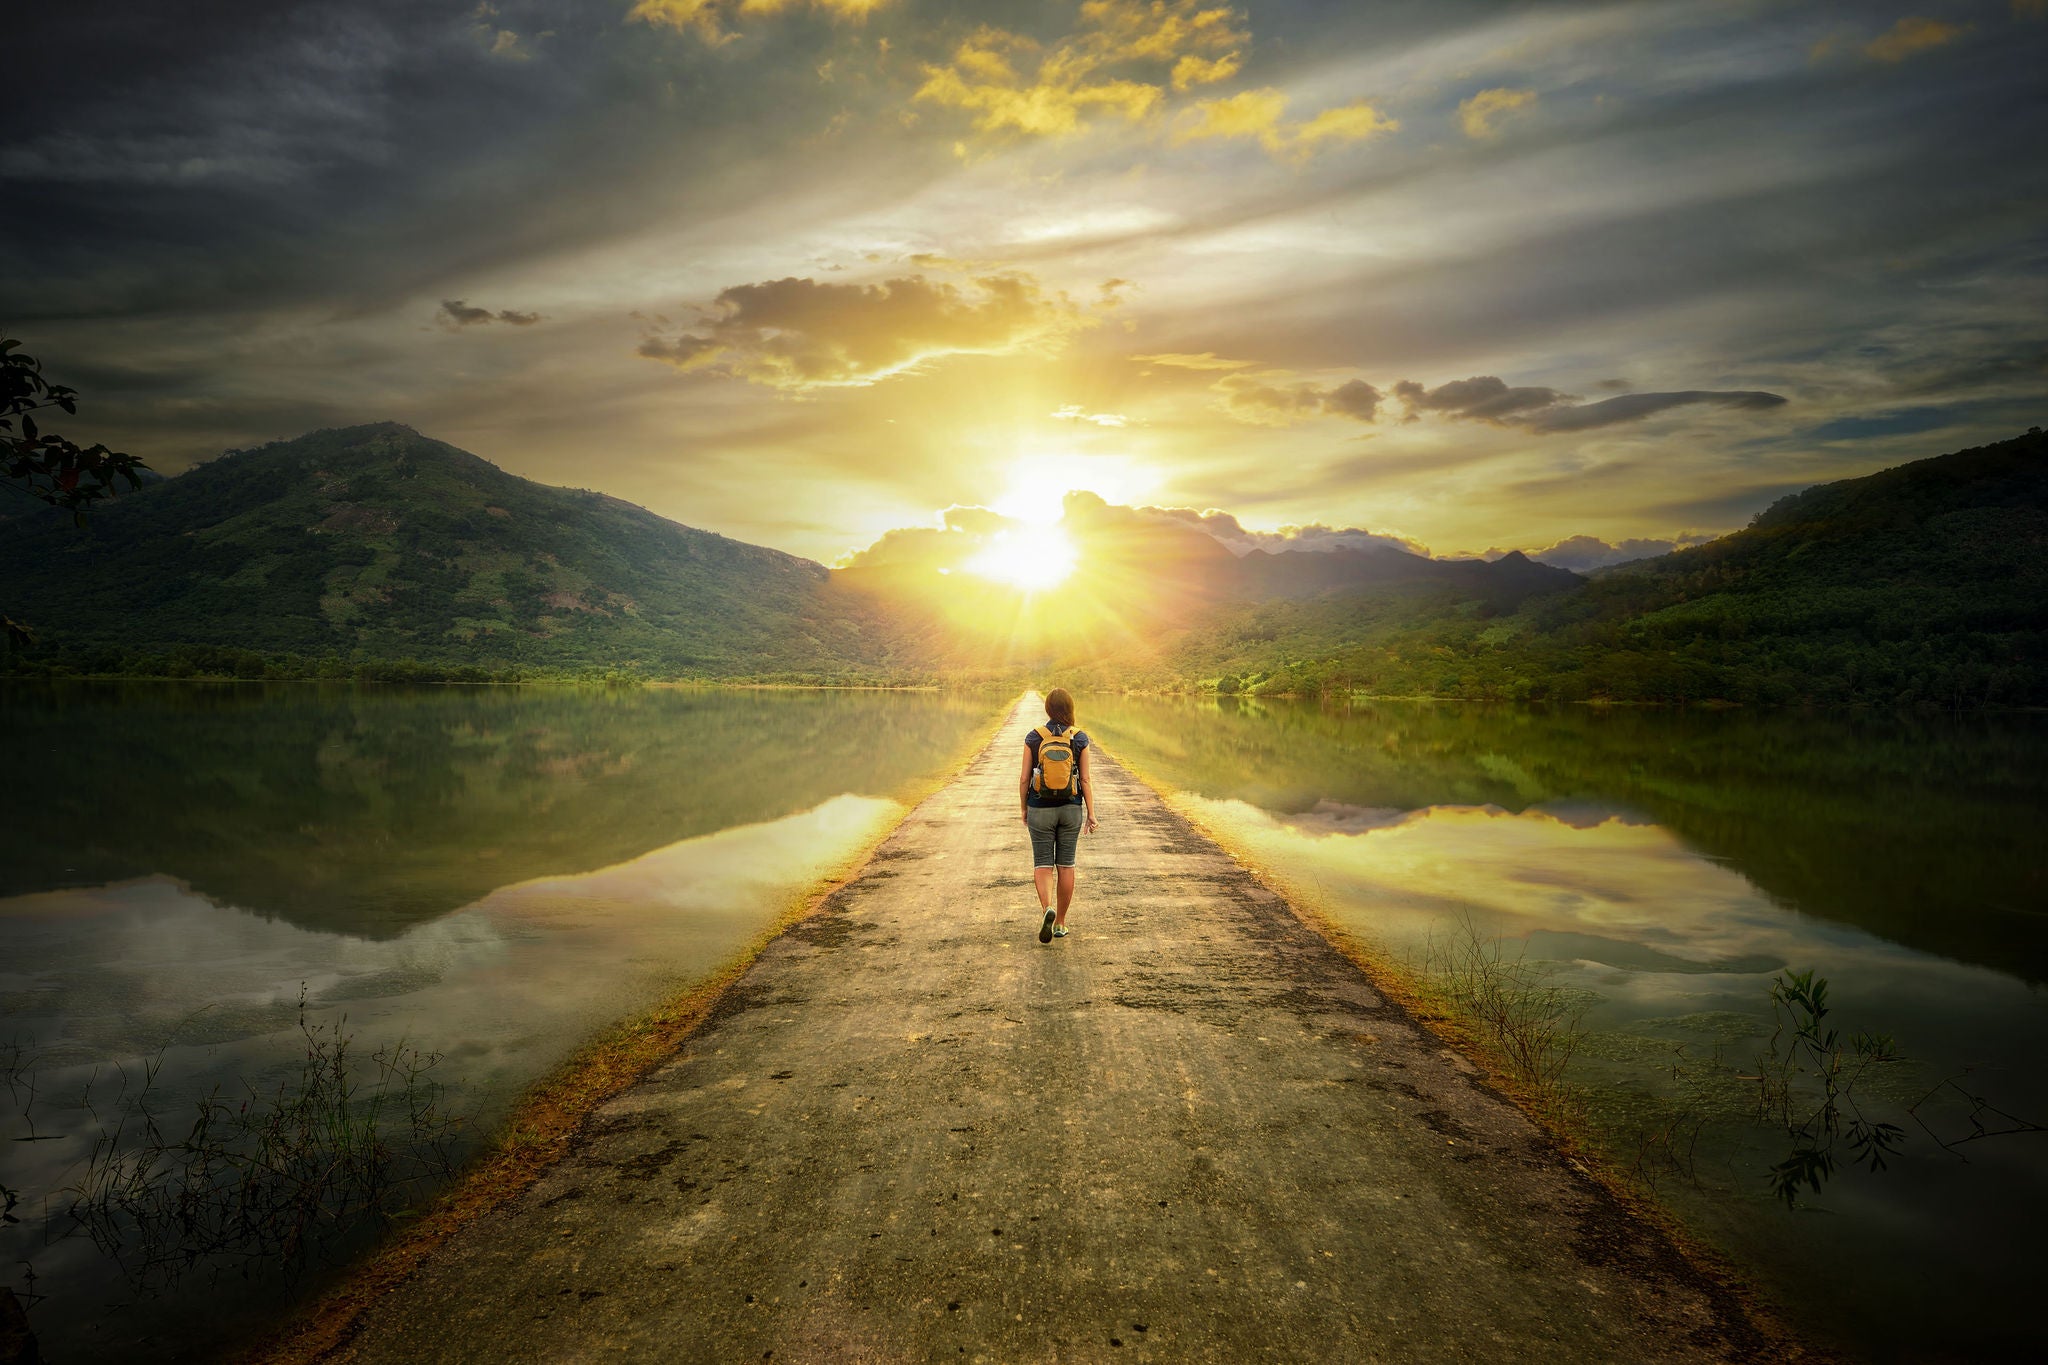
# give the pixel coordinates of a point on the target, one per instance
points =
(269, 670)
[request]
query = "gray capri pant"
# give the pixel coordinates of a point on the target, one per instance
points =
(1055, 832)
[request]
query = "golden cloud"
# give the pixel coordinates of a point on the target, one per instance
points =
(1261, 114)
(1074, 412)
(708, 19)
(799, 334)
(1191, 71)
(1481, 114)
(1911, 36)
(1108, 65)
(1204, 360)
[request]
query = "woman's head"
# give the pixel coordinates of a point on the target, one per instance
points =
(1059, 707)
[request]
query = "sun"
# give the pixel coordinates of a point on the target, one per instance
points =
(1035, 557)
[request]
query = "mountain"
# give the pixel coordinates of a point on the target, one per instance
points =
(1952, 543)
(1129, 542)
(1926, 584)
(377, 542)
(1505, 582)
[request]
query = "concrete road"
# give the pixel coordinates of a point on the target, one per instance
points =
(1189, 1131)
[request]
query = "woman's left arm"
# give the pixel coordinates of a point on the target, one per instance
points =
(1087, 791)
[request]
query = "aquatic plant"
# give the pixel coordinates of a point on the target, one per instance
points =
(1806, 1082)
(1530, 1025)
(1980, 1119)
(271, 1178)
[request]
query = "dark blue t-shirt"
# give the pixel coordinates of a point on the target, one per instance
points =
(1032, 798)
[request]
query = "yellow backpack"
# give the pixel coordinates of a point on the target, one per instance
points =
(1059, 766)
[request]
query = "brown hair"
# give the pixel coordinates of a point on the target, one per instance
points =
(1059, 706)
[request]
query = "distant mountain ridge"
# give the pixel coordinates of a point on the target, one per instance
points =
(1925, 583)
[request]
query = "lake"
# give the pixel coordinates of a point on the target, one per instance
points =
(492, 875)
(1660, 869)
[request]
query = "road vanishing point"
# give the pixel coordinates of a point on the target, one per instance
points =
(1190, 1131)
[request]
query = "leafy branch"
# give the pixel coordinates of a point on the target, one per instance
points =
(1806, 1082)
(44, 465)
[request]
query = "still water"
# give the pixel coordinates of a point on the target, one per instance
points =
(493, 875)
(1662, 868)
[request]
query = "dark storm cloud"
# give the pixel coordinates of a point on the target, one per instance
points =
(1484, 397)
(456, 313)
(237, 155)
(1780, 211)
(1487, 398)
(1636, 406)
(1353, 398)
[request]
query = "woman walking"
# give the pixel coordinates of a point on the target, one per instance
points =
(1058, 804)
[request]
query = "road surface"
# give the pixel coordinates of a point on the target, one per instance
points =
(1191, 1130)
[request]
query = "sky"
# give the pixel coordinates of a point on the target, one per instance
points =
(1596, 278)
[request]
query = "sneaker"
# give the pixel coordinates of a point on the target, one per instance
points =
(1059, 931)
(1045, 929)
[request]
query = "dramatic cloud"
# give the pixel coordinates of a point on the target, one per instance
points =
(800, 334)
(1354, 398)
(237, 221)
(1259, 114)
(1206, 360)
(1480, 115)
(1118, 62)
(1254, 399)
(962, 533)
(1486, 398)
(456, 313)
(1911, 36)
(1316, 538)
(708, 19)
(1636, 406)
(1098, 524)
(1267, 399)
(1074, 412)
(1191, 70)
(501, 43)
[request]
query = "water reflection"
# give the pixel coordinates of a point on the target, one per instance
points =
(1921, 831)
(1667, 865)
(368, 811)
(493, 875)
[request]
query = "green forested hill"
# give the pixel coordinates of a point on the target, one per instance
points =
(375, 542)
(1923, 584)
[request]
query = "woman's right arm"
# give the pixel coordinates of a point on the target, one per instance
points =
(1024, 786)
(1087, 793)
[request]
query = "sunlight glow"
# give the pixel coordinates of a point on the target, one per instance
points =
(1033, 504)
(1034, 557)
